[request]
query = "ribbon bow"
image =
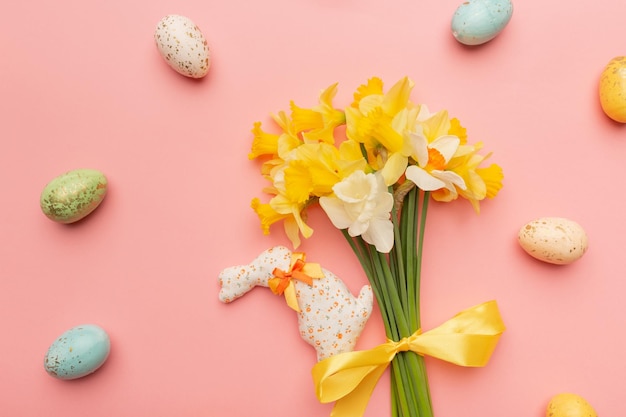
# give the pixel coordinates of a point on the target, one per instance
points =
(282, 282)
(468, 339)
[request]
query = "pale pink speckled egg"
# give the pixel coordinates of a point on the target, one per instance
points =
(183, 46)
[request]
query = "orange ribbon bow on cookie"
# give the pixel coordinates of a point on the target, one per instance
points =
(282, 283)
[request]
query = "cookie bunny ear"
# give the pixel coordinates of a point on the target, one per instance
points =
(237, 280)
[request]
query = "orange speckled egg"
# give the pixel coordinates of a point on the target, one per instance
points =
(569, 405)
(613, 89)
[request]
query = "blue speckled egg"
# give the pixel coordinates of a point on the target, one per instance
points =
(78, 352)
(478, 21)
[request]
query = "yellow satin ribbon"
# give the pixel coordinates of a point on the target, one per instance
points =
(282, 282)
(468, 339)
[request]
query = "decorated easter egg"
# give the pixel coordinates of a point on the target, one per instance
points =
(555, 240)
(569, 405)
(78, 352)
(613, 89)
(478, 21)
(73, 195)
(183, 46)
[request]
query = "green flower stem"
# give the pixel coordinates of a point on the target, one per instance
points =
(399, 368)
(418, 253)
(387, 301)
(395, 281)
(390, 291)
(406, 405)
(402, 370)
(370, 261)
(423, 392)
(408, 219)
(412, 250)
(363, 255)
(396, 259)
(410, 387)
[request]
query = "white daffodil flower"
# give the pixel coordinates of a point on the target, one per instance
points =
(362, 204)
(430, 172)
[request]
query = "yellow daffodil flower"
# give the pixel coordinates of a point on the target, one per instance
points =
(457, 130)
(267, 215)
(317, 167)
(481, 182)
(276, 145)
(434, 125)
(264, 143)
(318, 123)
(373, 87)
(380, 122)
(430, 173)
(281, 209)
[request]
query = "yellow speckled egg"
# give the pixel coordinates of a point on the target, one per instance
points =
(569, 405)
(613, 89)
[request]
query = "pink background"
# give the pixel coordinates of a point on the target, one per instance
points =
(82, 86)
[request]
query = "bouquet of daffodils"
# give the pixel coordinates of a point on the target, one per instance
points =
(375, 186)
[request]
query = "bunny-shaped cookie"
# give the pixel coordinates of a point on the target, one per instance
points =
(330, 319)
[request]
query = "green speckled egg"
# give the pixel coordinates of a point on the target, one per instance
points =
(73, 195)
(78, 352)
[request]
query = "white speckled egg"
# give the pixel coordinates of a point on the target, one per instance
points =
(613, 89)
(478, 21)
(183, 46)
(555, 240)
(78, 352)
